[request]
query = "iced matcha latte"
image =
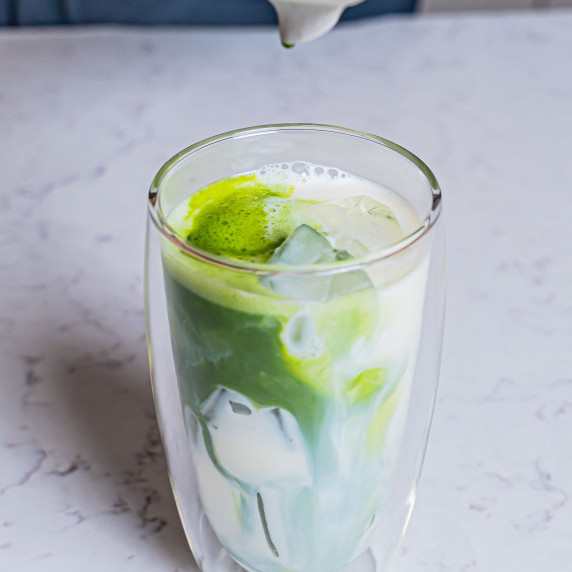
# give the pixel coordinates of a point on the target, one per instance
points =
(294, 386)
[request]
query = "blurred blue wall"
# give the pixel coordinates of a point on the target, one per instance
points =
(166, 12)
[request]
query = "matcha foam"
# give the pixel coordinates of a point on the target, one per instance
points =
(249, 216)
(240, 217)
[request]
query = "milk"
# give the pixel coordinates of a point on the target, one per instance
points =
(294, 437)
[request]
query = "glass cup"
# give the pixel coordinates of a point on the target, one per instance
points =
(295, 428)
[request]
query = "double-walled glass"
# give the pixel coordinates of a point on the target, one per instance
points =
(284, 458)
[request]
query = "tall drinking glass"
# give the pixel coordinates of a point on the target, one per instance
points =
(295, 425)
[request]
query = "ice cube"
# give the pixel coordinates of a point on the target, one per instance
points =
(348, 282)
(304, 246)
(255, 445)
(218, 494)
(300, 336)
(307, 246)
(358, 224)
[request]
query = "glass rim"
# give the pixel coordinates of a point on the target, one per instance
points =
(160, 220)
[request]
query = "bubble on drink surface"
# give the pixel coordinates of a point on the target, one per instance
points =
(300, 337)
(358, 224)
(299, 171)
(255, 445)
(301, 168)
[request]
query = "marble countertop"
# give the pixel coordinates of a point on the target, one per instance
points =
(86, 119)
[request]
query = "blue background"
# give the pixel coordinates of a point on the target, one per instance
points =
(166, 12)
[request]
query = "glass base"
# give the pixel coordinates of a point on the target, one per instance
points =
(215, 558)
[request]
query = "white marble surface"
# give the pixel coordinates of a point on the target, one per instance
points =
(88, 116)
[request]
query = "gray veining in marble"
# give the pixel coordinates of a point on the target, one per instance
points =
(88, 116)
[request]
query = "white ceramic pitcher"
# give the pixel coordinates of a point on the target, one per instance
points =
(304, 20)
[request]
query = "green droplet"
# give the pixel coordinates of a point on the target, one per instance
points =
(366, 384)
